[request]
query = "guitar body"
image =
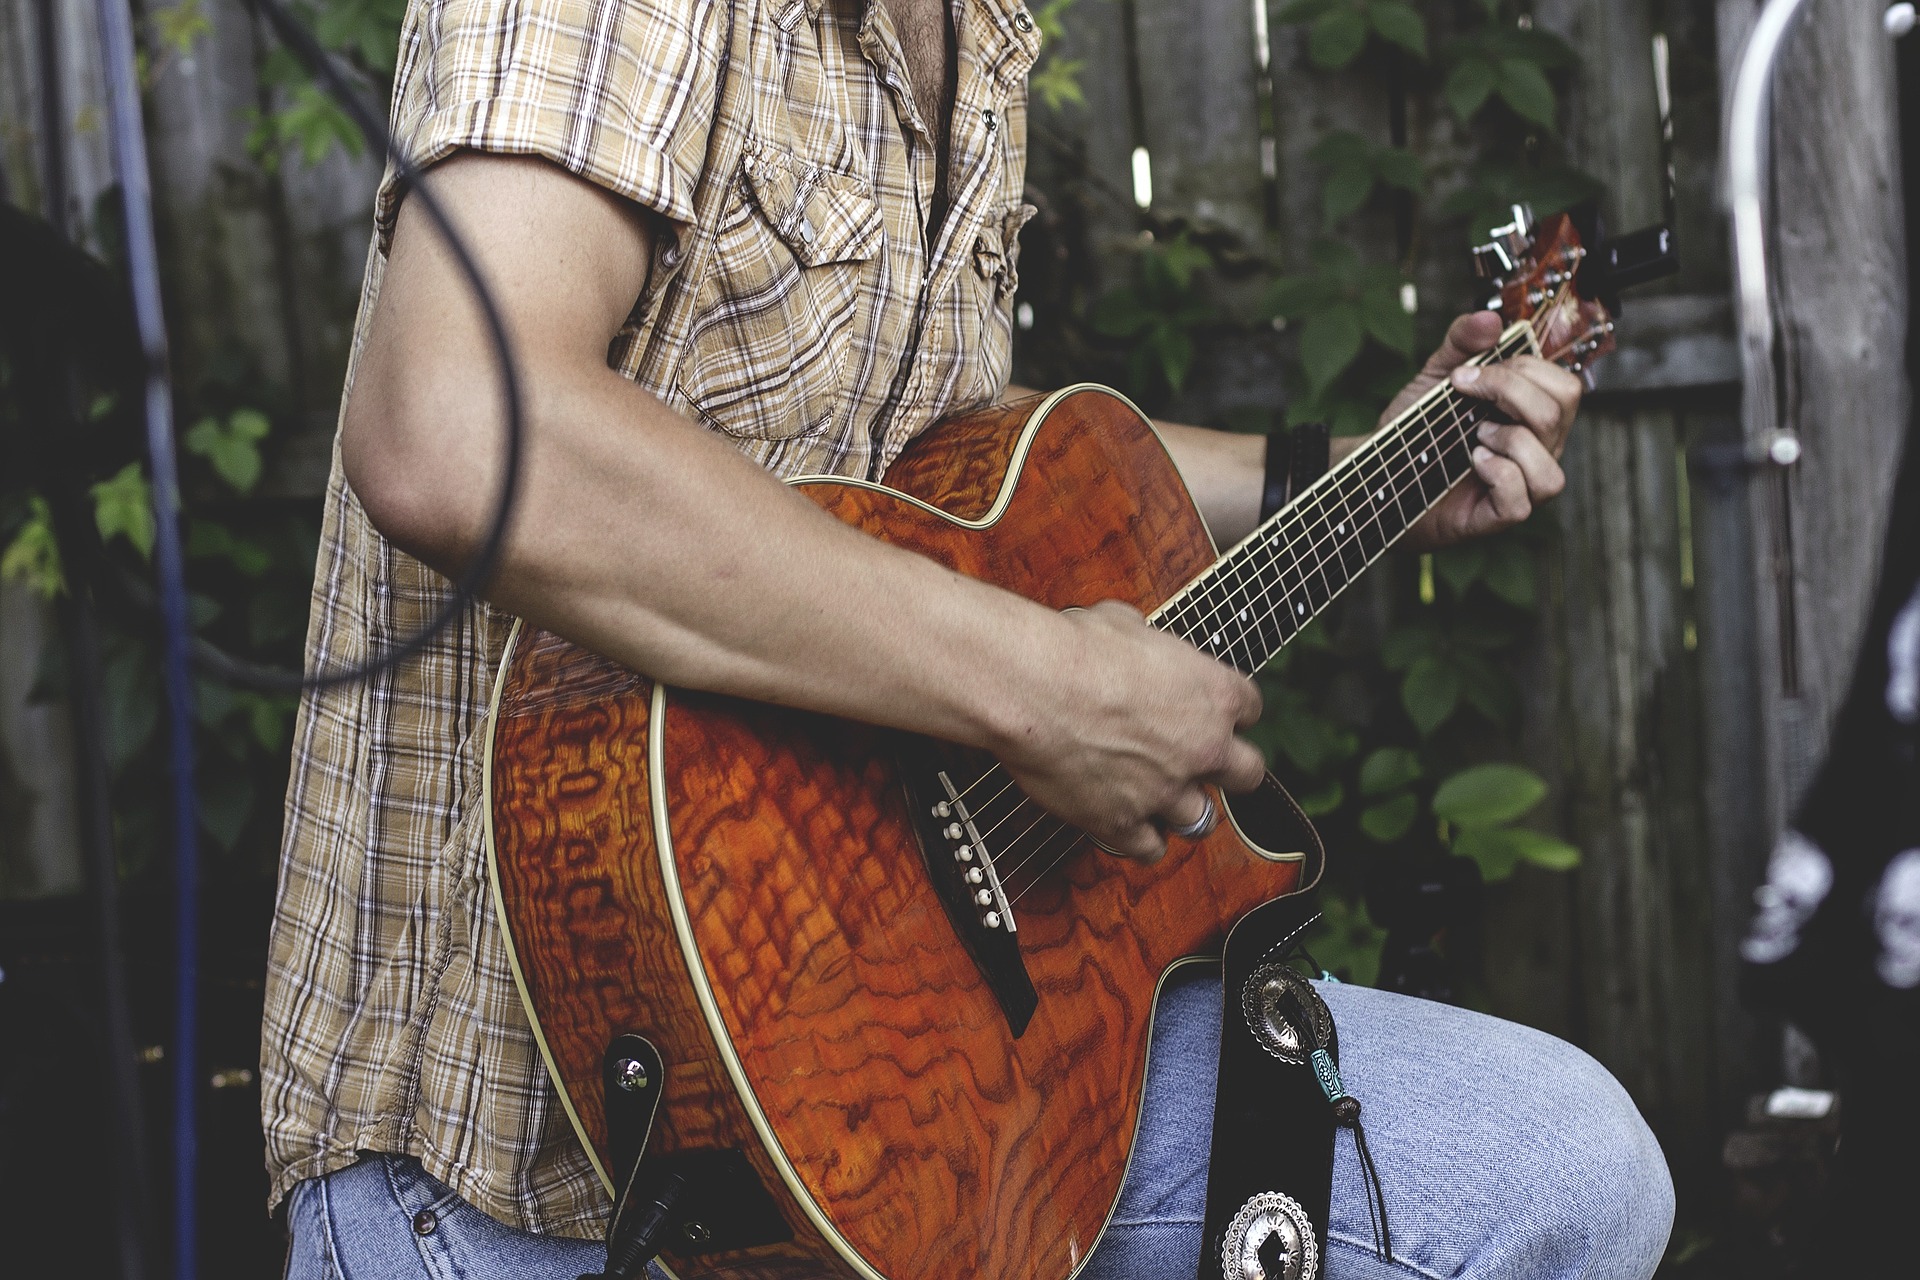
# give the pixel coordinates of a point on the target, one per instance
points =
(744, 885)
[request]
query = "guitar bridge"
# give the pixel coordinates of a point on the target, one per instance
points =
(975, 859)
(961, 868)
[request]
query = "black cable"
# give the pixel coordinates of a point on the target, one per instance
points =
(236, 671)
(179, 651)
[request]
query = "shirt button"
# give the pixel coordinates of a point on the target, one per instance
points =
(993, 121)
(1023, 20)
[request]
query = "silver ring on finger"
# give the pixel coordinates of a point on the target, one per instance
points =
(1203, 825)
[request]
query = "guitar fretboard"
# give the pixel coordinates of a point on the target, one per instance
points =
(1264, 592)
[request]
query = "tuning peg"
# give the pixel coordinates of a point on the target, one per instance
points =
(1509, 244)
(1490, 261)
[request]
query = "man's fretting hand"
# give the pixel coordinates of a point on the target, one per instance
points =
(1133, 726)
(1515, 464)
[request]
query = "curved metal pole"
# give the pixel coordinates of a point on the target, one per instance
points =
(1746, 185)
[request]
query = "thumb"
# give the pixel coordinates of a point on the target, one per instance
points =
(1467, 337)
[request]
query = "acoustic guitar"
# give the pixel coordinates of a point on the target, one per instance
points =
(894, 1018)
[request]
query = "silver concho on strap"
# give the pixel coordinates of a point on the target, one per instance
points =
(1268, 1215)
(1260, 1001)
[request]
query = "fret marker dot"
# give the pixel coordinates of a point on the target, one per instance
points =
(1340, 528)
(1381, 496)
(1300, 609)
(1423, 455)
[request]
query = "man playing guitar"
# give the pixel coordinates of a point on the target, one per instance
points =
(736, 241)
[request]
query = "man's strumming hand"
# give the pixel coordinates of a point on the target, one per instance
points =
(1131, 726)
(1515, 463)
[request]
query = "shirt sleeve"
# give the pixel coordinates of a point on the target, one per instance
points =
(620, 92)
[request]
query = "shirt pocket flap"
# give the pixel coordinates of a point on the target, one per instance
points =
(821, 214)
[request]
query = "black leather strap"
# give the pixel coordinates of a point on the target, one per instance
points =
(1312, 446)
(1295, 459)
(1273, 1132)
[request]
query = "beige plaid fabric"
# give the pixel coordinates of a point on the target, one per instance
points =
(798, 308)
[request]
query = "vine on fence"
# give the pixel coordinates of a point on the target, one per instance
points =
(1406, 738)
(1373, 737)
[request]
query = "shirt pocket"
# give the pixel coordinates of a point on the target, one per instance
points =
(768, 355)
(994, 280)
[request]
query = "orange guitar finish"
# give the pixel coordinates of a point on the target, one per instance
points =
(651, 848)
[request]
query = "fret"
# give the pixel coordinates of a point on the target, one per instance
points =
(1262, 594)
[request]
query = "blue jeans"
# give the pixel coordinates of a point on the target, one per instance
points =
(1503, 1152)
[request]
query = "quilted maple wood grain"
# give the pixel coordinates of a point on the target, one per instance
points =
(940, 1147)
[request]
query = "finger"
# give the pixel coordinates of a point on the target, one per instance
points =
(1564, 388)
(1252, 704)
(1117, 610)
(1518, 396)
(1467, 337)
(1527, 451)
(1143, 843)
(1189, 809)
(1506, 485)
(1245, 768)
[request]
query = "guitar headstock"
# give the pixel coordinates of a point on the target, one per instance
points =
(1537, 269)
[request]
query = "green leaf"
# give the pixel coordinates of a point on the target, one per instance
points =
(226, 798)
(1496, 854)
(1388, 769)
(1430, 693)
(1321, 801)
(1546, 851)
(1307, 10)
(1399, 24)
(1488, 688)
(1058, 82)
(1488, 795)
(1386, 319)
(1183, 258)
(131, 700)
(1329, 342)
(205, 539)
(33, 556)
(1122, 314)
(1460, 567)
(1308, 739)
(1406, 644)
(123, 505)
(1389, 820)
(1336, 38)
(1175, 346)
(1296, 296)
(1468, 87)
(1399, 167)
(1346, 189)
(233, 448)
(1510, 572)
(1524, 87)
(1346, 941)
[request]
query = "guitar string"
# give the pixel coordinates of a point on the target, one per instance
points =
(1273, 550)
(1197, 593)
(1394, 471)
(1442, 398)
(1062, 827)
(1044, 872)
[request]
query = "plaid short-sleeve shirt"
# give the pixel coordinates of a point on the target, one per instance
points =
(800, 306)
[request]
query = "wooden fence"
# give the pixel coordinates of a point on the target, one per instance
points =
(1656, 702)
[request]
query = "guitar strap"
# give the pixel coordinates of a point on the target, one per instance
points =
(1277, 1112)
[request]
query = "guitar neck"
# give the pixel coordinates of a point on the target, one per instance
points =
(1265, 591)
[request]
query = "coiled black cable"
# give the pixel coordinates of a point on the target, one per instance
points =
(181, 649)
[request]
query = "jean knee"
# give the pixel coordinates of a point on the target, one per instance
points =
(1614, 1188)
